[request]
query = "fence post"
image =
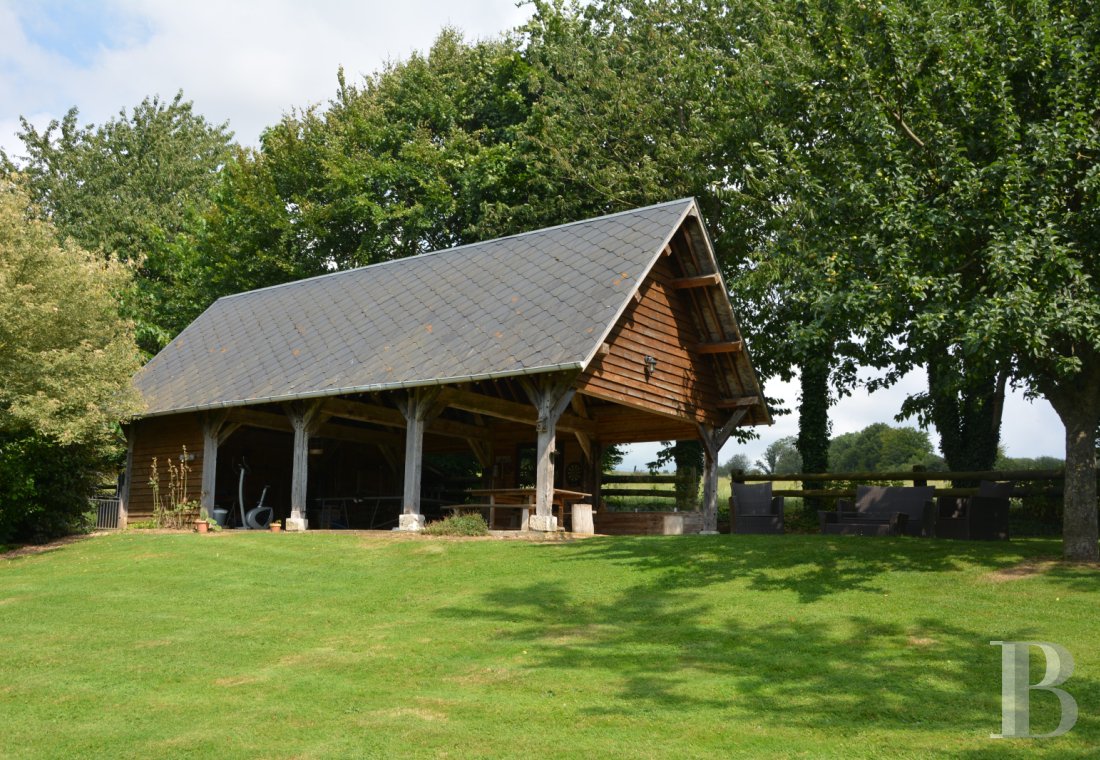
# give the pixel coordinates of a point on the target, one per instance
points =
(919, 482)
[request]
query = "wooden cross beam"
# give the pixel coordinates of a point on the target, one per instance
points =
(738, 402)
(700, 281)
(722, 347)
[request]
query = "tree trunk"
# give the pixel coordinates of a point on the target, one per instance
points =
(813, 421)
(966, 409)
(688, 456)
(1077, 402)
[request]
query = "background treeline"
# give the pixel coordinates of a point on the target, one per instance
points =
(877, 448)
(903, 184)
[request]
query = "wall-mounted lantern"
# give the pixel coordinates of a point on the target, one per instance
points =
(650, 366)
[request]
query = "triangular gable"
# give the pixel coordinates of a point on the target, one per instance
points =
(676, 350)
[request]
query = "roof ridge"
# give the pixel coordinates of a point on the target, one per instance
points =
(421, 256)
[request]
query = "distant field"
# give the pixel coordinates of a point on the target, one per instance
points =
(336, 645)
(724, 488)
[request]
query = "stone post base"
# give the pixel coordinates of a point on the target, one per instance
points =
(411, 522)
(544, 523)
(296, 523)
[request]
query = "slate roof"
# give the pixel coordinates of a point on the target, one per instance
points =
(536, 302)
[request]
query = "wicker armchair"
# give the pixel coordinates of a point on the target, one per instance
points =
(753, 509)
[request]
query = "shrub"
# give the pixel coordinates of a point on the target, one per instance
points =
(44, 488)
(459, 524)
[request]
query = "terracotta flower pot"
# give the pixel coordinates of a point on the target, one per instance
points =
(202, 526)
(276, 527)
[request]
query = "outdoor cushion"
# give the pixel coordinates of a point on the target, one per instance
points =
(884, 501)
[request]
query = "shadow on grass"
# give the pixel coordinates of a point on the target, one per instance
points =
(664, 641)
(812, 567)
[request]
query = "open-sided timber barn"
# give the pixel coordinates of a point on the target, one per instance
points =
(530, 352)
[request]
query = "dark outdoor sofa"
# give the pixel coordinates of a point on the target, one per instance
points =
(883, 511)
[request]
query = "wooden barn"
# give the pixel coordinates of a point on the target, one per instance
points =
(348, 396)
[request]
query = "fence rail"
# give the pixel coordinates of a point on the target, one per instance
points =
(1031, 482)
(904, 475)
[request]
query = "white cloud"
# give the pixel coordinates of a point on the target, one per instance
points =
(245, 62)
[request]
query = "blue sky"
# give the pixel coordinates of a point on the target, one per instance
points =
(79, 31)
(247, 62)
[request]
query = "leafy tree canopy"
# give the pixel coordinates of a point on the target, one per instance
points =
(66, 356)
(881, 448)
(127, 189)
(781, 457)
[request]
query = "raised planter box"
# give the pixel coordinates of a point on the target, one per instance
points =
(647, 523)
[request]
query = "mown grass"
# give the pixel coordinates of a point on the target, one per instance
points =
(353, 645)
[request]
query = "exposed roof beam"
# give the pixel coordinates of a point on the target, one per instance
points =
(279, 422)
(724, 347)
(509, 410)
(384, 415)
(701, 281)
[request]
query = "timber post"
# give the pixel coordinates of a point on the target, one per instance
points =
(418, 407)
(127, 477)
(713, 440)
(304, 419)
(216, 429)
(550, 397)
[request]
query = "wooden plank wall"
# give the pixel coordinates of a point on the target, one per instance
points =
(660, 325)
(163, 438)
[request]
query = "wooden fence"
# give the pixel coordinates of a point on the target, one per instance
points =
(1028, 482)
(661, 498)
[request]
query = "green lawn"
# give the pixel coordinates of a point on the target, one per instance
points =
(342, 645)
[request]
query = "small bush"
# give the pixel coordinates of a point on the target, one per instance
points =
(459, 524)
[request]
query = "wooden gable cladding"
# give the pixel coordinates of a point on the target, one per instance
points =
(659, 324)
(163, 438)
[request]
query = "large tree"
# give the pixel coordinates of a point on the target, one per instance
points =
(66, 357)
(981, 246)
(127, 189)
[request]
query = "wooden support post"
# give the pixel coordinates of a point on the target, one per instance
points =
(211, 429)
(418, 407)
(595, 484)
(305, 418)
(550, 396)
(127, 477)
(216, 429)
(713, 441)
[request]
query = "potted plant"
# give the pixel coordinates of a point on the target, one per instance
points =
(205, 523)
(276, 526)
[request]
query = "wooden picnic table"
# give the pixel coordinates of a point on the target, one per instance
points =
(524, 498)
